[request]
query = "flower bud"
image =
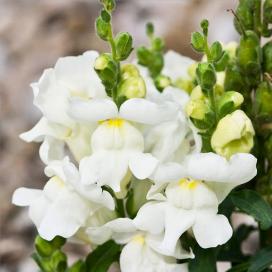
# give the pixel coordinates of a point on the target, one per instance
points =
(233, 134)
(267, 57)
(184, 84)
(233, 79)
(198, 42)
(108, 4)
(129, 70)
(58, 261)
(263, 100)
(132, 87)
(267, 11)
(245, 13)
(216, 51)
(123, 43)
(162, 82)
(231, 48)
(249, 53)
(197, 107)
(102, 28)
(206, 76)
(229, 101)
(107, 70)
(192, 70)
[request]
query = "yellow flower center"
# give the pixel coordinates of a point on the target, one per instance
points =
(139, 239)
(188, 184)
(113, 122)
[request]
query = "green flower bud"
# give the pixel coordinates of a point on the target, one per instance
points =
(157, 44)
(267, 57)
(149, 29)
(198, 105)
(245, 13)
(205, 26)
(129, 70)
(132, 87)
(105, 16)
(267, 11)
(206, 76)
(144, 56)
(198, 42)
(222, 63)
(108, 4)
(228, 102)
(268, 147)
(263, 100)
(233, 134)
(216, 51)
(59, 261)
(162, 82)
(123, 43)
(249, 53)
(102, 28)
(234, 79)
(107, 70)
(156, 65)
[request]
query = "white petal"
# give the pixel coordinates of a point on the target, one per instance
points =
(93, 110)
(42, 128)
(51, 149)
(211, 231)
(105, 168)
(177, 95)
(177, 221)
(24, 196)
(212, 167)
(176, 65)
(150, 210)
(155, 192)
(64, 217)
(147, 112)
(142, 165)
(169, 172)
(76, 73)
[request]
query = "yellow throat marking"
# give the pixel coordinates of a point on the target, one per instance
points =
(188, 184)
(114, 122)
(139, 239)
(58, 181)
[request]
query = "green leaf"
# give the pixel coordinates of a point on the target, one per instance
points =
(198, 41)
(204, 261)
(239, 268)
(102, 257)
(253, 204)
(261, 261)
(78, 266)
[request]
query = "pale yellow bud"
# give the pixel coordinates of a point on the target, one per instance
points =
(234, 134)
(231, 48)
(197, 107)
(129, 70)
(132, 87)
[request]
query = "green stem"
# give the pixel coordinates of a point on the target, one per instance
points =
(112, 44)
(257, 18)
(207, 49)
(213, 103)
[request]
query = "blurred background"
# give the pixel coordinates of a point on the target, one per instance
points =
(33, 35)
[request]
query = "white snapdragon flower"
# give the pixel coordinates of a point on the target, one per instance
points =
(65, 204)
(142, 249)
(192, 194)
(117, 145)
(71, 77)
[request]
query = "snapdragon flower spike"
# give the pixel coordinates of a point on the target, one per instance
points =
(71, 77)
(193, 191)
(65, 204)
(141, 249)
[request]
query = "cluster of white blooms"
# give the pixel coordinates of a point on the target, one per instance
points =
(96, 151)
